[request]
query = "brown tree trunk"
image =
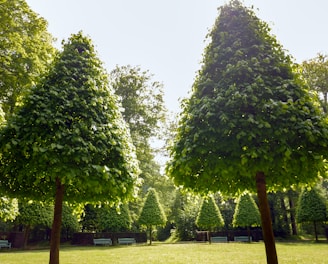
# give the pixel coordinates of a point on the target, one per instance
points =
(56, 225)
(267, 230)
(26, 235)
(292, 213)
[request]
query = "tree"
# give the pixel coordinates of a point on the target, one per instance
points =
(152, 213)
(246, 213)
(315, 72)
(209, 216)
(311, 208)
(25, 51)
(70, 222)
(32, 214)
(250, 122)
(8, 209)
(113, 219)
(73, 142)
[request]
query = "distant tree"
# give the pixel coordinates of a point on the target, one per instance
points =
(209, 216)
(311, 208)
(315, 72)
(246, 213)
(25, 51)
(90, 219)
(70, 222)
(73, 142)
(250, 122)
(32, 214)
(113, 219)
(183, 215)
(152, 213)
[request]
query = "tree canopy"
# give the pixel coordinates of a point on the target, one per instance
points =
(25, 51)
(70, 128)
(209, 216)
(311, 208)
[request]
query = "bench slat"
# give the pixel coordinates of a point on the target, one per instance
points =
(102, 241)
(126, 240)
(218, 239)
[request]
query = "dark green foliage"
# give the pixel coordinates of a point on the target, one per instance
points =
(25, 51)
(112, 219)
(70, 223)
(209, 216)
(311, 208)
(246, 212)
(90, 219)
(69, 128)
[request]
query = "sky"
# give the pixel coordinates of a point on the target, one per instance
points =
(167, 37)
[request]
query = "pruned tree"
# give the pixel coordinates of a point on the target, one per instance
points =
(25, 51)
(311, 208)
(115, 219)
(70, 221)
(152, 213)
(209, 216)
(246, 213)
(250, 122)
(32, 214)
(73, 142)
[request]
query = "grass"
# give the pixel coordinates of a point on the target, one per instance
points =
(191, 253)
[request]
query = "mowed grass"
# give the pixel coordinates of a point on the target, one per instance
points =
(191, 253)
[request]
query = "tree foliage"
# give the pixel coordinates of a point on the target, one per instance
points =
(311, 208)
(152, 213)
(113, 219)
(246, 212)
(315, 72)
(69, 128)
(248, 112)
(209, 216)
(8, 209)
(25, 51)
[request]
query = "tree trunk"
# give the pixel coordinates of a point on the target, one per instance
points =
(26, 235)
(292, 213)
(150, 234)
(315, 231)
(267, 230)
(56, 225)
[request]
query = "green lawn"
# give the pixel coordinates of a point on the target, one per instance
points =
(191, 253)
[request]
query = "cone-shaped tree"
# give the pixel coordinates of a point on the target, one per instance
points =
(152, 213)
(311, 208)
(250, 121)
(69, 140)
(209, 216)
(246, 213)
(114, 219)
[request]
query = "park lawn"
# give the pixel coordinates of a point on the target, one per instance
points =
(191, 253)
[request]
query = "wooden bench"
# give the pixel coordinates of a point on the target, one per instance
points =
(126, 241)
(242, 239)
(5, 244)
(219, 239)
(102, 241)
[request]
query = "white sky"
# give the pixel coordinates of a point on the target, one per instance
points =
(167, 37)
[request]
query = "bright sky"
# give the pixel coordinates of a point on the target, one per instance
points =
(167, 37)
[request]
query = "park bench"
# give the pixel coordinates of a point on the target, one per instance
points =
(102, 241)
(242, 239)
(219, 239)
(126, 241)
(5, 244)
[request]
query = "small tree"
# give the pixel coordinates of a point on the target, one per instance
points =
(311, 208)
(209, 216)
(32, 214)
(70, 222)
(113, 219)
(246, 213)
(152, 213)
